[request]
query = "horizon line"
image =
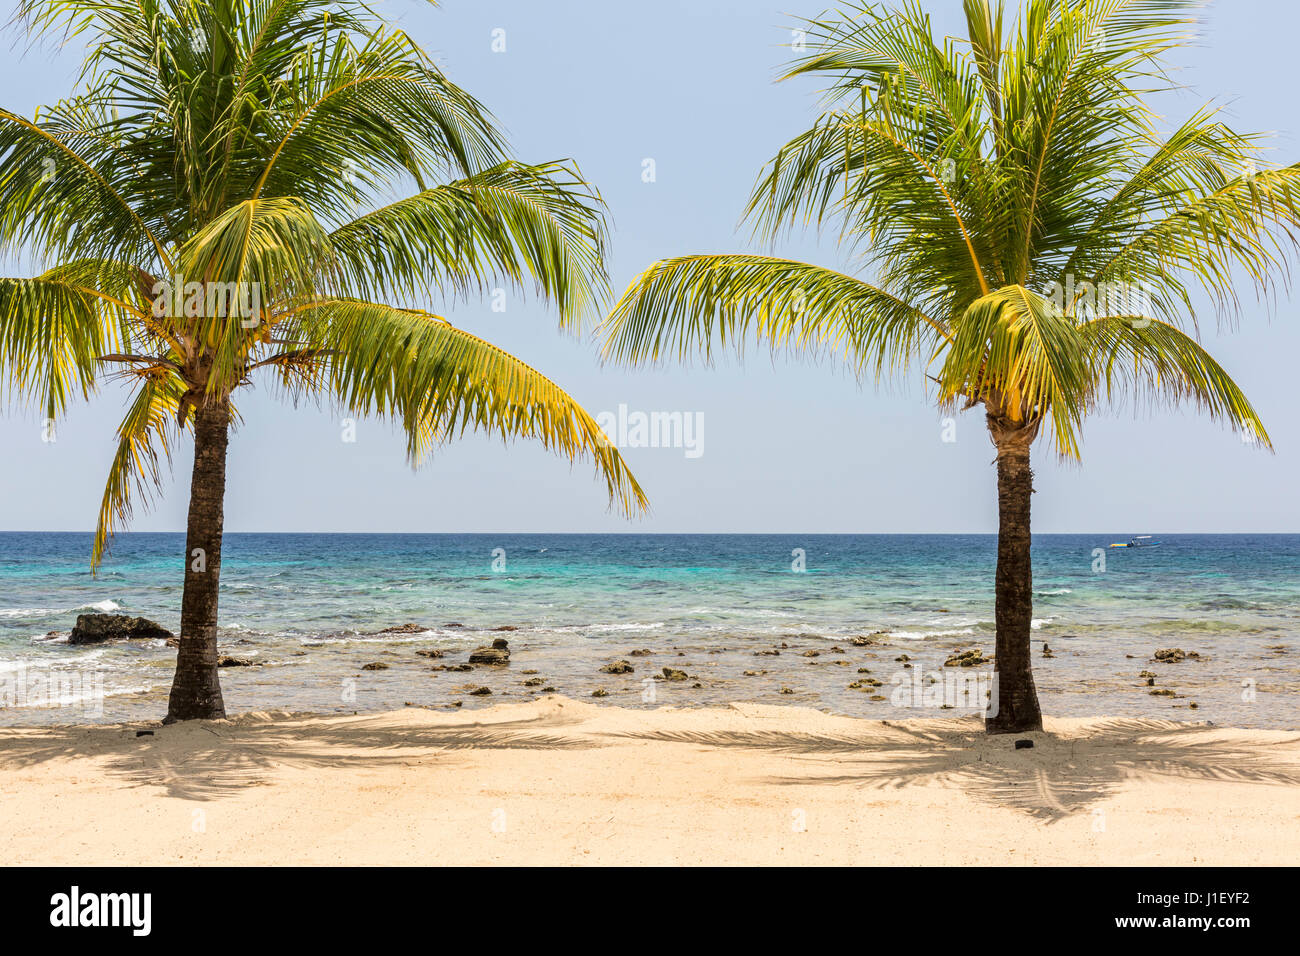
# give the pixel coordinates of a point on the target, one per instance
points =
(989, 534)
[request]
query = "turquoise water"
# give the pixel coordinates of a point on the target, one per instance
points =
(308, 607)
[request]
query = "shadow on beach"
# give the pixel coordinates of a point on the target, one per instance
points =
(207, 761)
(1058, 777)
(1061, 775)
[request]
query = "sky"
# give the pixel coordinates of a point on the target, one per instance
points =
(785, 446)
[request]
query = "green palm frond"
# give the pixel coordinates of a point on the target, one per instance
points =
(695, 304)
(45, 171)
(1151, 361)
(1250, 224)
(509, 222)
(396, 112)
(1015, 352)
(137, 467)
(52, 330)
(439, 382)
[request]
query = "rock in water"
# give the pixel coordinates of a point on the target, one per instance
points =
(228, 661)
(498, 653)
(971, 658)
(98, 628)
(618, 667)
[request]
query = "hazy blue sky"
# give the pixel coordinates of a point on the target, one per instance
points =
(787, 447)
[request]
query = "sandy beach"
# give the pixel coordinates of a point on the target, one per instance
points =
(558, 781)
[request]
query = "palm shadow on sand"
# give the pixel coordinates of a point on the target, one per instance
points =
(220, 759)
(1060, 776)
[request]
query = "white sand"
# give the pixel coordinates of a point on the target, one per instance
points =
(562, 781)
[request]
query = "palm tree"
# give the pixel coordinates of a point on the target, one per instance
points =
(236, 194)
(1027, 232)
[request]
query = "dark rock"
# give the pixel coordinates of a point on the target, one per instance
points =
(672, 673)
(1024, 745)
(98, 628)
(404, 629)
(506, 627)
(429, 652)
(866, 640)
(971, 658)
(498, 653)
(618, 667)
(228, 661)
(480, 692)
(639, 652)
(375, 666)
(600, 692)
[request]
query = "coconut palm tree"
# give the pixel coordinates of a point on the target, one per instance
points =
(271, 189)
(1024, 227)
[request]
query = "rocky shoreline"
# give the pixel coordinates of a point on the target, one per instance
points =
(873, 674)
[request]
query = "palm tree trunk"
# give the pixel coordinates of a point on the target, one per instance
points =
(196, 689)
(1017, 698)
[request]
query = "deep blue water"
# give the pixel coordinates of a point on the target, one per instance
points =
(308, 606)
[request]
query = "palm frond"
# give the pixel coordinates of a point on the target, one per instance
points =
(53, 328)
(510, 222)
(137, 468)
(1024, 359)
(696, 304)
(1152, 361)
(439, 382)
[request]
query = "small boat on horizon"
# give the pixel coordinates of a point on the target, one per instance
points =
(1137, 541)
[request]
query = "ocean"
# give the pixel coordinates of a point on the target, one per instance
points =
(306, 608)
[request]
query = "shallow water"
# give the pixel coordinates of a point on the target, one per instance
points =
(307, 606)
